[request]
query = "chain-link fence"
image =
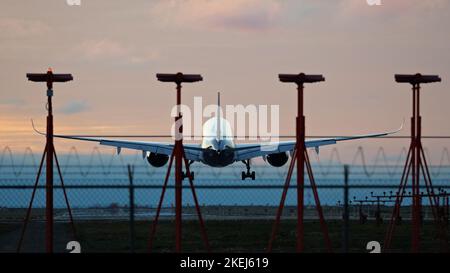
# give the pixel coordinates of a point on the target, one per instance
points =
(238, 214)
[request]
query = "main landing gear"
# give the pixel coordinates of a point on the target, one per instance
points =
(191, 174)
(247, 174)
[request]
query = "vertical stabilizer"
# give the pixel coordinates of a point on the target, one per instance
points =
(218, 117)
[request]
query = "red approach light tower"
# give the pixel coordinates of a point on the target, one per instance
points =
(300, 156)
(416, 165)
(180, 156)
(48, 153)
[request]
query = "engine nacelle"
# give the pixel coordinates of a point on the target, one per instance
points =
(277, 160)
(157, 160)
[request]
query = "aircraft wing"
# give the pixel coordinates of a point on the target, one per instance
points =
(192, 151)
(248, 151)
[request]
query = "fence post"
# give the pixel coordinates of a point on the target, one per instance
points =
(131, 207)
(345, 245)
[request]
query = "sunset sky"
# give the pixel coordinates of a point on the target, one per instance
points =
(115, 48)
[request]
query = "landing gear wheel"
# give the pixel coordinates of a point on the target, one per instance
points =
(184, 175)
(248, 174)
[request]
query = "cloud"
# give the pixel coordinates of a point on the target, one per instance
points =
(12, 102)
(103, 48)
(247, 15)
(390, 7)
(22, 28)
(261, 15)
(144, 57)
(74, 107)
(108, 49)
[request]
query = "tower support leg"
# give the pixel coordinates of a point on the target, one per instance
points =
(30, 206)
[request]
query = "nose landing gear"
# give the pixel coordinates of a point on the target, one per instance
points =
(184, 175)
(190, 174)
(248, 174)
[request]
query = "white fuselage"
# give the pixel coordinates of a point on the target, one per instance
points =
(218, 142)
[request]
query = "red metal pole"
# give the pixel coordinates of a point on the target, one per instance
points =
(177, 152)
(283, 199)
(30, 206)
(69, 209)
(178, 176)
(299, 157)
(323, 224)
(415, 182)
(49, 78)
(419, 163)
(398, 199)
(49, 177)
(434, 202)
(197, 206)
(300, 168)
(161, 199)
(413, 174)
(427, 176)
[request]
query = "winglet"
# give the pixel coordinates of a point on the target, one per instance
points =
(401, 126)
(34, 128)
(398, 130)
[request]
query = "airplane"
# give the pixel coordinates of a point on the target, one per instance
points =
(218, 149)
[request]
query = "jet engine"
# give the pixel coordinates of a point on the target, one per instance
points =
(157, 160)
(277, 160)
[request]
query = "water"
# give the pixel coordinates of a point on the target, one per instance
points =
(103, 182)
